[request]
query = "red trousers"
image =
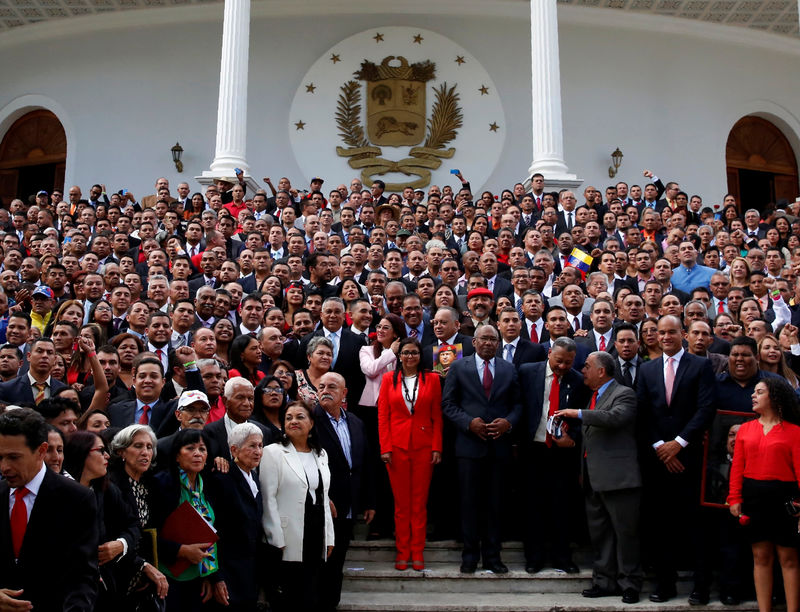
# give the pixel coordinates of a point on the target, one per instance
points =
(410, 476)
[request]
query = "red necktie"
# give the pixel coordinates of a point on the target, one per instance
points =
(534, 335)
(160, 354)
(19, 520)
(721, 307)
(487, 379)
(145, 418)
(555, 393)
(539, 203)
(593, 403)
(602, 343)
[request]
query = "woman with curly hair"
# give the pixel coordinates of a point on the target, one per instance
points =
(764, 482)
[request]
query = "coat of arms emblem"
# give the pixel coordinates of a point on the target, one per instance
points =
(396, 108)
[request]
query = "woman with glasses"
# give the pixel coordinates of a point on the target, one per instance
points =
(284, 372)
(270, 400)
(86, 459)
(410, 429)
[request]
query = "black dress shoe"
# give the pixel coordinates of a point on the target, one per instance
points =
(729, 600)
(698, 598)
(569, 567)
(662, 595)
(496, 567)
(534, 568)
(468, 567)
(630, 596)
(596, 592)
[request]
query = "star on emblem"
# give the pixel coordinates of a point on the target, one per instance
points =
(460, 60)
(300, 125)
(493, 127)
(418, 39)
(484, 90)
(335, 58)
(310, 88)
(378, 37)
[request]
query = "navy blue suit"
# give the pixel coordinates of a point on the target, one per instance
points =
(551, 473)
(482, 464)
(526, 352)
(672, 499)
(18, 390)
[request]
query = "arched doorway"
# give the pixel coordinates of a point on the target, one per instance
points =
(762, 167)
(33, 156)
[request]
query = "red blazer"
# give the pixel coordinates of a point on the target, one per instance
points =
(398, 427)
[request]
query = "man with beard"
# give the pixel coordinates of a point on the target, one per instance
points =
(480, 302)
(204, 303)
(191, 413)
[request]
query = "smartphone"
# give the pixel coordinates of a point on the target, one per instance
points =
(454, 171)
(67, 239)
(124, 192)
(237, 171)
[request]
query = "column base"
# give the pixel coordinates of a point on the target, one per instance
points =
(556, 181)
(209, 177)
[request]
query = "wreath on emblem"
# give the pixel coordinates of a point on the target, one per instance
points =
(442, 128)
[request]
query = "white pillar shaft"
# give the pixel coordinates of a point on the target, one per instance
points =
(232, 109)
(548, 142)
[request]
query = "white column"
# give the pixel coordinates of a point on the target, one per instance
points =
(232, 109)
(548, 141)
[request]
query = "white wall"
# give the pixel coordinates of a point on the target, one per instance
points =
(668, 101)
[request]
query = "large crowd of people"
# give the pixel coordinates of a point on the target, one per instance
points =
(203, 393)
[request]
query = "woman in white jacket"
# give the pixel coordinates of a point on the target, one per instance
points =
(295, 479)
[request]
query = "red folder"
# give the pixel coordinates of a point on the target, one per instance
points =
(186, 526)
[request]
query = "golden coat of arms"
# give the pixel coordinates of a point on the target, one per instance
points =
(396, 116)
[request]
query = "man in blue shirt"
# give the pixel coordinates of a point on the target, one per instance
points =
(690, 275)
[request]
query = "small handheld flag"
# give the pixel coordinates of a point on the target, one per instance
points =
(580, 260)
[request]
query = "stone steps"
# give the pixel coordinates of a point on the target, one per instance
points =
(504, 602)
(371, 584)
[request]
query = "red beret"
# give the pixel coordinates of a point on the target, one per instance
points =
(479, 291)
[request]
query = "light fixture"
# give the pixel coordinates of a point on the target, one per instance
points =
(177, 152)
(616, 159)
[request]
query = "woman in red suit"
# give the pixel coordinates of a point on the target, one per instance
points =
(410, 432)
(764, 477)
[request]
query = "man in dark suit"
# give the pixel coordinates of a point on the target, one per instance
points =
(601, 335)
(446, 324)
(341, 433)
(414, 320)
(146, 408)
(496, 284)
(346, 345)
(626, 347)
(676, 406)
(482, 398)
(553, 461)
(36, 382)
(515, 348)
(239, 402)
(43, 567)
(611, 480)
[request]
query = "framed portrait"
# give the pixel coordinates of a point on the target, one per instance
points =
(444, 356)
(718, 456)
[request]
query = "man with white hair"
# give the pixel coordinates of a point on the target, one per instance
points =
(239, 402)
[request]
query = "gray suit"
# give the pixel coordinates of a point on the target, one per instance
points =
(612, 483)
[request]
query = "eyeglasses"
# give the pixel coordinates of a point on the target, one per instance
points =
(273, 391)
(100, 451)
(409, 353)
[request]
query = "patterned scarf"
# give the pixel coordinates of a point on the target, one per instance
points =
(195, 497)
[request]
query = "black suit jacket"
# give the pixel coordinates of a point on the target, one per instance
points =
(502, 287)
(572, 394)
(196, 283)
(526, 331)
(347, 362)
(162, 416)
(238, 523)
(690, 410)
(463, 399)
(18, 390)
(217, 437)
(118, 393)
(351, 487)
(526, 352)
(57, 567)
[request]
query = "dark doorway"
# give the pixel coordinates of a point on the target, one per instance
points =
(756, 189)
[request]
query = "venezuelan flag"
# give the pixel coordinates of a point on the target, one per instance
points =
(581, 260)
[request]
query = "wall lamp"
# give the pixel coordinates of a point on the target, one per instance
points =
(616, 160)
(177, 153)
